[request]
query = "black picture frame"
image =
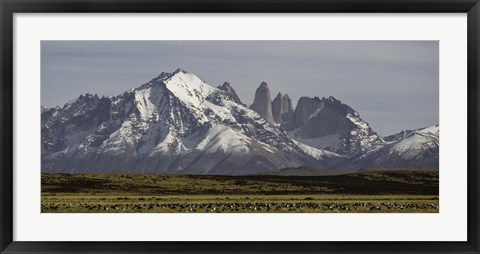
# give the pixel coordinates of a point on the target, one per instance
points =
(8, 8)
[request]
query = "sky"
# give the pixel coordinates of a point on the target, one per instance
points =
(394, 85)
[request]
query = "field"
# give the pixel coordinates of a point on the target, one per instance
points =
(395, 191)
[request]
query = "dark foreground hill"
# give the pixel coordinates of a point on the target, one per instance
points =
(411, 182)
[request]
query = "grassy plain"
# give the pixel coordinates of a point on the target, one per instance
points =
(380, 191)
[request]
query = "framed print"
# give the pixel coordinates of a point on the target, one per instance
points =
(262, 126)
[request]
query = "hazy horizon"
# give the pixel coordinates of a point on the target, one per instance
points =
(394, 85)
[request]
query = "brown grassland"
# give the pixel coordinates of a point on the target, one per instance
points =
(392, 191)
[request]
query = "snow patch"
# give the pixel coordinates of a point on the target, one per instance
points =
(148, 101)
(314, 152)
(166, 144)
(357, 121)
(328, 142)
(222, 138)
(189, 88)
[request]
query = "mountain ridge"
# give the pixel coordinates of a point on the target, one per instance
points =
(174, 123)
(177, 123)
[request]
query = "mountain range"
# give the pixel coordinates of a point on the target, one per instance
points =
(177, 123)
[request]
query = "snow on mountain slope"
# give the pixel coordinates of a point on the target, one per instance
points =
(174, 123)
(418, 141)
(408, 149)
(318, 153)
(330, 142)
(188, 88)
(222, 138)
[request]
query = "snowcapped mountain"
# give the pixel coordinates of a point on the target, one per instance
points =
(176, 123)
(329, 124)
(407, 149)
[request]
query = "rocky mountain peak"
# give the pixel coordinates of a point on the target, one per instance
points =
(329, 124)
(166, 75)
(262, 103)
(88, 96)
(230, 92)
(163, 75)
(333, 99)
(178, 70)
(338, 105)
(225, 86)
(282, 109)
(306, 106)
